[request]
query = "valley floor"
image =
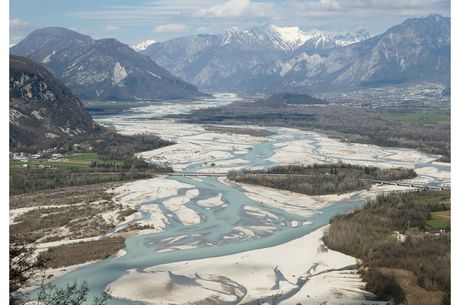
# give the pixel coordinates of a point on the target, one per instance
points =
(197, 240)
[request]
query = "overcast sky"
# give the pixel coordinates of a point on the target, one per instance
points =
(132, 21)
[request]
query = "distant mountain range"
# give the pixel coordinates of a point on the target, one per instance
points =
(102, 69)
(223, 62)
(274, 59)
(42, 109)
(265, 59)
(417, 50)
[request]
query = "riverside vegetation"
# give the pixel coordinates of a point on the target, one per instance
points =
(25, 270)
(320, 179)
(390, 263)
(112, 159)
(53, 200)
(73, 254)
(373, 126)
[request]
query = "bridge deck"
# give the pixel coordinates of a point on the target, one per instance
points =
(197, 174)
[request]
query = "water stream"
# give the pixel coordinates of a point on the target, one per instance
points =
(215, 235)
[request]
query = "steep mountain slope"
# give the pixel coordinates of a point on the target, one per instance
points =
(271, 59)
(41, 108)
(321, 42)
(177, 54)
(223, 62)
(101, 69)
(416, 50)
(215, 62)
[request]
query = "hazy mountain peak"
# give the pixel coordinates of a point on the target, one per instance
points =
(234, 33)
(427, 21)
(141, 46)
(362, 31)
(58, 32)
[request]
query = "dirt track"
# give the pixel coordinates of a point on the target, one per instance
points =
(415, 294)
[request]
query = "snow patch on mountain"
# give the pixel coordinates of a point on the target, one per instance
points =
(324, 39)
(47, 59)
(231, 34)
(287, 65)
(141, 46)
(291, 36)
(154, 75)
(119, 73)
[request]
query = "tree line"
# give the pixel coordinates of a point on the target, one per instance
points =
(320, 179)
(347, 123)
(368, 235)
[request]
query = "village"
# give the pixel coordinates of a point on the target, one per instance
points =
(53, 158)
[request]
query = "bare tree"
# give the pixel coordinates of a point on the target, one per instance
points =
(25, 271)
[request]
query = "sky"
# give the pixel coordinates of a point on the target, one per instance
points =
(133, 21)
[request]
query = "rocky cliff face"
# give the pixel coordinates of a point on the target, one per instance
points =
(42, 109)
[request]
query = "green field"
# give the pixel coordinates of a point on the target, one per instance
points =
(421, 118)
(77, 160)
(435, 201)
(439, 220)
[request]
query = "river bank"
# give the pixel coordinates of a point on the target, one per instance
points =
(207, 219)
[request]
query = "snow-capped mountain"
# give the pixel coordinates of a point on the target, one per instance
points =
(268, 36)
(294, 39)
(220, 62)
(289, 39)
(271, 58)
(141, 46)
(321, 41)
(101, 69)
(416, 50)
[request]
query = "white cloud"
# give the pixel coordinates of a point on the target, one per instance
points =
(18, 24)
(211, 12)
(236, 9)
(366, 8)
(203, 29)
(171, 27)
(111, 28)
(217, 15)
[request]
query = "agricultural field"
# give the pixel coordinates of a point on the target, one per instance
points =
(424, 117)
(439, 220)
(76, 160)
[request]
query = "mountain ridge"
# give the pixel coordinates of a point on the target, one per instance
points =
(101, 69)
(223, 61)
(270, 59)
